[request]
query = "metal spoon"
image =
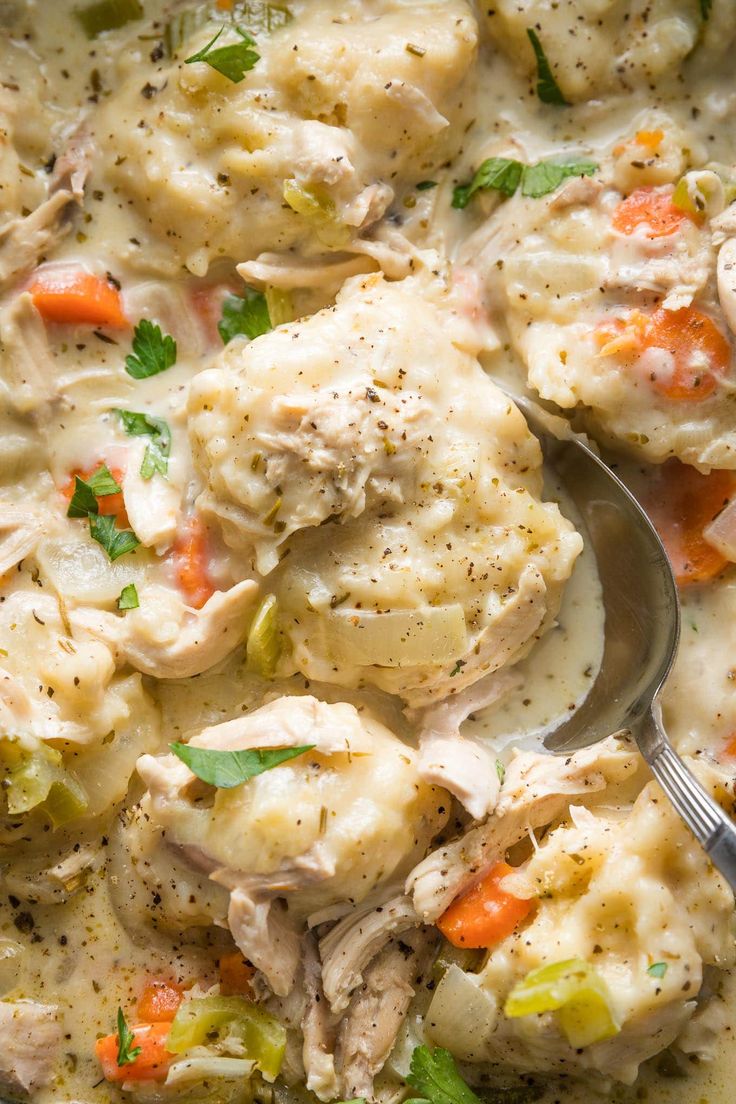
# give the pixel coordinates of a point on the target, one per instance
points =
(642, 629)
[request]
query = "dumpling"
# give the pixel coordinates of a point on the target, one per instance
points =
(306, 151)
(445, 564)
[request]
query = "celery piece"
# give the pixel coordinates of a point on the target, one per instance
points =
(107, 15)
(201, 1020)
(263, 647)
(320, 211)
(40, 781)
(574, 990)
(280, 305)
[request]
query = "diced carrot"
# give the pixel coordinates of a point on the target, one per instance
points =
(730, 748)
(682, 503)
(77, 297)
(694, 354)
(191, 564)
(112, 504)
(485, 914)
(224, 5)
(650, 207)
(649, 140)
(159, 1001)
(150, 1065)
(236, 974)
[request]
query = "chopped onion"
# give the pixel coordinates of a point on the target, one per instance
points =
(721, 533)
(400, 638)
(462, 1015)
(207, 1067)
(81, 572)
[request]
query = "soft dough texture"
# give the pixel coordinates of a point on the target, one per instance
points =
(338, 107)
(446, 564)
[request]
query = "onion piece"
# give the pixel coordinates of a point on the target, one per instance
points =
(462, 1015)
(399, 638)
(721, 533)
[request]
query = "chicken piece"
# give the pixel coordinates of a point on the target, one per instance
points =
(31, 1036)
(329, 826)
(369, 1028)
(166, 639)
(22, 528)
(536, 790)
(153, 506)
(52, 885)
(28, 370)
(318, 1029)
(355, 940)
(466, 768)
(445, 565)
(306, 152)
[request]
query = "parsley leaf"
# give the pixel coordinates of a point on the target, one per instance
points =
(153, 352)
(244, 314)
(232, 61)
(548, 89)
(84, 500)
(426, 185)
(156, 456)
(434, 1075)
(542, 178)
(657, 969)
(226, 769)
(502, 174)
(705, 8)
(116, 542)
(128, 598)
(126, 1053)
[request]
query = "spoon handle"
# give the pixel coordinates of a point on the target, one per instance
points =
(711, 826)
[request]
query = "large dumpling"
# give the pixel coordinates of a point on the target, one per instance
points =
(446, 564)
(305, 151)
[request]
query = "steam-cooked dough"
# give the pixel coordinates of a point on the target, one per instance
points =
(445, 565)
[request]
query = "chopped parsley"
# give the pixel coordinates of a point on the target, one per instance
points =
(504, 175)
(86, 492)
(153, 351)
(426, 185)
(107, 15)
(116, 542)
(434, 1075)
(457, 668)
(233, 61)
(128, 598)
(500, 771)
(156, 456)
(548, 89)
(127, 1053)
(657, 969)
(246, 314)
(226, 769)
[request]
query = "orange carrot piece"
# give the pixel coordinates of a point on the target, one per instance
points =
(191, 564)
(150, 1065)
(682, 503)
(485, 914)
(236, 974)
(112, 504)
(651, 207)
(730, 749)
(159, 1001)
(77, 297)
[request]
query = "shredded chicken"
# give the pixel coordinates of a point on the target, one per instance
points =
(536, 789)
(31, 1037)
(318, 1028)
(27, 368)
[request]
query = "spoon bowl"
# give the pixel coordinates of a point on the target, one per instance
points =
(642, 629)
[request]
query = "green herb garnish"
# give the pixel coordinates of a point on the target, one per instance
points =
(232, 61)
(246, 314)
(548, 89)
(128, 598)
(657, 969)
(86, 492)
(153, 351)
(126, 1052)
(156, 456)
(116, 542)
(504, 175)
(426, 185)
(107, 15)
(226, 769)
(434, 1075)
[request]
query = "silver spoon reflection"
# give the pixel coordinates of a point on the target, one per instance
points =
(642, 628)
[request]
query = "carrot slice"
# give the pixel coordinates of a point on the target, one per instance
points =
(730, 748)
(650, 207)
(107, 504)
(236, 974)
(688, 353)
(77, 297)
(682, 503)
(150, 1065)
(191, 564)
(485, 914)
(159, 1001)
